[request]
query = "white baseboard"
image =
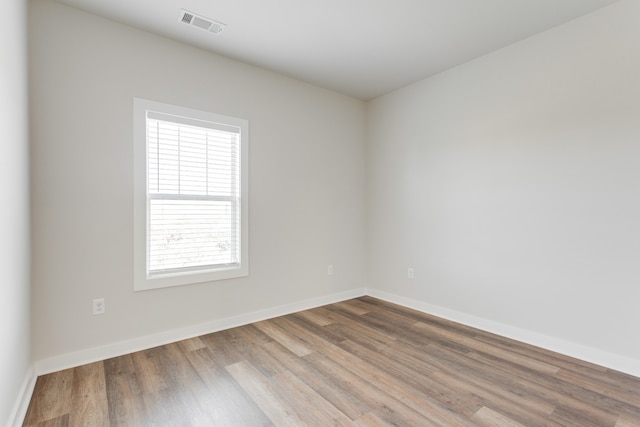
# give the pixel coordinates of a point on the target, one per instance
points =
(16, 418)
(582, 352)
(95, 354)
(578, 351)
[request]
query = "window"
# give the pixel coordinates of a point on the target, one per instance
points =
(190, 204)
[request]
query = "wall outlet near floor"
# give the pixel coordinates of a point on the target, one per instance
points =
(410, 273)
(98, 306)
(330, 270)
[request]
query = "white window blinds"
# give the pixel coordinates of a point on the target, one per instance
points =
(193, 194)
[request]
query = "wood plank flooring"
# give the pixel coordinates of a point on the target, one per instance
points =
(362, 362)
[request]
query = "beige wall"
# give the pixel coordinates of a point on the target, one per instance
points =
(306, 182)
(512, 185)
(15, 358)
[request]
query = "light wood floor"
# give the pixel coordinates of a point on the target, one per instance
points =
(362, 362)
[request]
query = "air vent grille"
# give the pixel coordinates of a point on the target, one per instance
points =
(201, 22)
(186, 18)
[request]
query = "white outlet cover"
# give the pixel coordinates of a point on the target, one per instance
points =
(98, 306)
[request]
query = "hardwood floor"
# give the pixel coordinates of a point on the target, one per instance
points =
(362, 362)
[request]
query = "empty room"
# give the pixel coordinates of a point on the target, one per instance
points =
(357, 213)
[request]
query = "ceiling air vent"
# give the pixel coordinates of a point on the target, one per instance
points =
(201, 22)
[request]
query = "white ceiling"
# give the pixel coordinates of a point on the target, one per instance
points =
(363, 48)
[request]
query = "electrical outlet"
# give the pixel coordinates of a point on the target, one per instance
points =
(98, 306)
(410, 273)
(330, 270)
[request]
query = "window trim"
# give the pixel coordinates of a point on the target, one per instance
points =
(142, 280)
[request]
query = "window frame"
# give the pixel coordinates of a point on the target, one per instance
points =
(142, 279)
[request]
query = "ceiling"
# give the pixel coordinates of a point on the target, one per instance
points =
(362, 48)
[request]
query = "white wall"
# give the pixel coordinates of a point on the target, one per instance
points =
(15, 358)
(512, 185)
(306, 182)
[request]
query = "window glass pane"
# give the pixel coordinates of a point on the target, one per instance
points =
(184, 159)
(191, 233)
(202, 162)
